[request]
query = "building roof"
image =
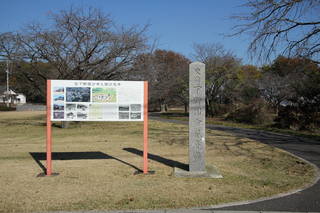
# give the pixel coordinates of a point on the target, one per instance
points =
(3, 91)
(10, 92)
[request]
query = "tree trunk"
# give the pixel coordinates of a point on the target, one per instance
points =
(207, 108)
(186, 108)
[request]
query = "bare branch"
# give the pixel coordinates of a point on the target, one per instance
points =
(288, 27)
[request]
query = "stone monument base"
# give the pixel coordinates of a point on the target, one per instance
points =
(211, 172)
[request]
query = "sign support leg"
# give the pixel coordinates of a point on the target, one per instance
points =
(49, 136)
(145, 129)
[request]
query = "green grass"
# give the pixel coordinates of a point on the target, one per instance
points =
(250, 169)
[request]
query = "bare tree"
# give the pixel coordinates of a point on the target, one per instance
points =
(167, 73)
(84, 45)
(221, 67)
(8, 46)
(289, 26)
(275, 89)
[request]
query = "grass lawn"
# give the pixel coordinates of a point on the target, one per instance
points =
(96, 162)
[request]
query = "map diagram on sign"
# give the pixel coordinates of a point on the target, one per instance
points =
(104, 95)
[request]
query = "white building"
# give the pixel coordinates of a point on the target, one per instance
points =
(11, 97)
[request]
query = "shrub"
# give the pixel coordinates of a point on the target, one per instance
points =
(297, 118)
(254, 113)
(4, 107)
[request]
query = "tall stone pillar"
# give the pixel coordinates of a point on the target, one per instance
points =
(197, 113)
(197, 127)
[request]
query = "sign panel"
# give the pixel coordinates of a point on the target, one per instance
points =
(81, 100)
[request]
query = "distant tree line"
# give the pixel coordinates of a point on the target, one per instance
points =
(86, 44)
(287, 90)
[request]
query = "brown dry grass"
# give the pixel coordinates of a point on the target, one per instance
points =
(250, 169)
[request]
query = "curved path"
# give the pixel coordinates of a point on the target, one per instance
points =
(307, 200)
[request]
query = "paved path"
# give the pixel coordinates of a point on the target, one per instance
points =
(307, 200)
(166, 211)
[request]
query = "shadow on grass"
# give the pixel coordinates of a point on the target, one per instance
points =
(38, 156)
(165, 161)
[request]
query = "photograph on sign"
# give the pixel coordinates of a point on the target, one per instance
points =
(58, 90)
(58, 115)
(123, 115)
(71, 107)
(82, 115)
(80, 100)
(82, 107)
(58, 106)
(135, 107)
(78, 94)
(124, 108)
(58, 97)
(135, 115)
(71, 115)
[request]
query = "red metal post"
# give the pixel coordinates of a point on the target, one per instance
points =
(145, 129)
(49, 137)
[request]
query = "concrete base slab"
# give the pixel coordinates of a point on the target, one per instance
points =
(211, 172)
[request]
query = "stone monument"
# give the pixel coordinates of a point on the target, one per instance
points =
(197, 117)
(197, 125)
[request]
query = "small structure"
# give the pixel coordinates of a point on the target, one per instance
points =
(11, 97)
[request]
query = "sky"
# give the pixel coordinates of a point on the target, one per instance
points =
(175, 24)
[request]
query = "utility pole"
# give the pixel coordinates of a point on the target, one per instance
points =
(7, 71)
(8, 90)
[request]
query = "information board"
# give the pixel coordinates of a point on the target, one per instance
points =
(82, 100)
